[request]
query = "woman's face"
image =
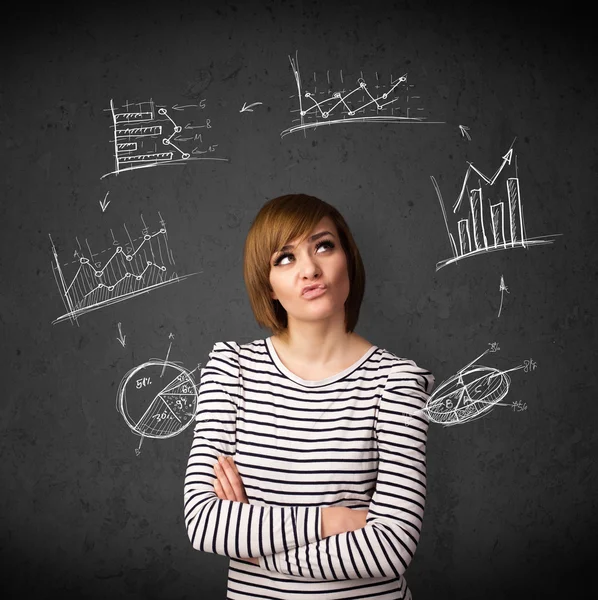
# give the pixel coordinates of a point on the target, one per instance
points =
(310, 279)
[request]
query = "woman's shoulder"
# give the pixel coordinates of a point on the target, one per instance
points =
(397, 362)
(232, 358)
(391, 357)
(399, 368)
(224, 348)
(233, 350)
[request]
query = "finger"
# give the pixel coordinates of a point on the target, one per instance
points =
(234, 479)
(227, 488)
(234, 466)
(240, 489)
(218, 490)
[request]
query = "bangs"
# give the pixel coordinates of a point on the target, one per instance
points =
(292, 222)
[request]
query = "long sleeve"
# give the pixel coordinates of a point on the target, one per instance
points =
(233, 529)
(386, 545)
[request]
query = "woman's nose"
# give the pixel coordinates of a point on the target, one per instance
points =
(308, 267)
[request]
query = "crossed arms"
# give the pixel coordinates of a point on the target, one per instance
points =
(308, 541)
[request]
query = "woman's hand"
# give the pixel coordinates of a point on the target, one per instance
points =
(341, 519)
(228, 484)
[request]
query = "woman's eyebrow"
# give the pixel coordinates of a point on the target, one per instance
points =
(313, 238)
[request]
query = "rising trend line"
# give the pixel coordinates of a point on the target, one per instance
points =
(485, 226)
(506, 160)
(129, 257)
(325, 109)
(132, 274)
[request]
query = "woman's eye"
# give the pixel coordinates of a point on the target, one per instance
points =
(326, 244)
(287, 258)
(283, 259)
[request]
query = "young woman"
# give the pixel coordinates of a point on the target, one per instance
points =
(308, 464)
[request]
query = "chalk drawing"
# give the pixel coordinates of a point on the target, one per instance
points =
(489, 216)
(146, 134)
(502, 288)
(157, 399)
(138, 266)
(338, 98)
(472, 392)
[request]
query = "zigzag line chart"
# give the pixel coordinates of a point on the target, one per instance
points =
(140, 266)
(353, 100)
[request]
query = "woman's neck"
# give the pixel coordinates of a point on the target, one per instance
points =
(317, 343)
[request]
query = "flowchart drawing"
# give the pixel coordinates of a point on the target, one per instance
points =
(472, 392)
(334, 99)
(488, 214)
(149, 135)
(157, 399)
(139, 266)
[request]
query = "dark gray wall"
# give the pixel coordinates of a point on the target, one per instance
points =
(511, 510)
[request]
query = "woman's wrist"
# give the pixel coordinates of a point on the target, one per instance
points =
(329, 521)
(340, 519)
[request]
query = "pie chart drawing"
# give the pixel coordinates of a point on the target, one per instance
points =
(157, 399)
(467, 395)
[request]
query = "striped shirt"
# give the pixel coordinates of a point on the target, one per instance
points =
(351, 439)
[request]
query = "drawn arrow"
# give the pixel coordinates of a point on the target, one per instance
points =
(464, 131)
(177, 107)
(121, 337)
(103, 203)
(248, 108)
(166, 359)
(506, 160)
(502, 289)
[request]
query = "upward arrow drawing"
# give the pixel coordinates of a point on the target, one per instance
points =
(506, 160)
(502, 288)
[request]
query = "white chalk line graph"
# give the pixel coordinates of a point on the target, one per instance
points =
(137, 268)
(145, 135)
(353, 104)
(155, 406)
(498, 226)
(471, 393)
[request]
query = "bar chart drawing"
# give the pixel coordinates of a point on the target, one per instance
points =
(334, 99)
(139, 266)
(489, 216)
(146, 134)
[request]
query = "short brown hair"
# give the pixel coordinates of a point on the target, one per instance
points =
(278, 222)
